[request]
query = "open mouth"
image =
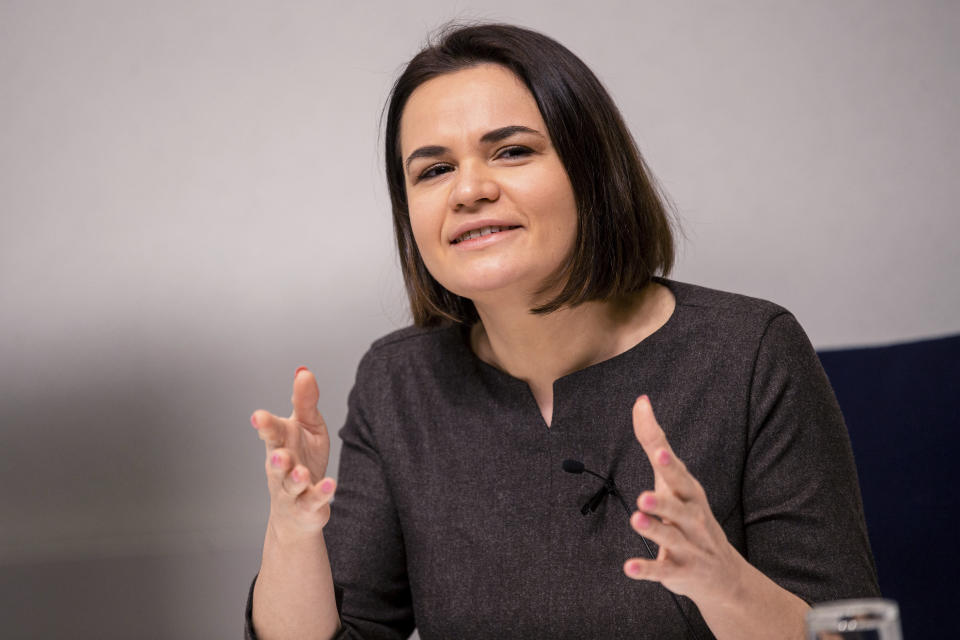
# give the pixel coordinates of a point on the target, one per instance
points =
(482, 231)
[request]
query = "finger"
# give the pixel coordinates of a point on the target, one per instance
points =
(671, 470)
(671, 510)
(666, 506)
(297, 481)
(278, 465)
(271, 429)
(647, 429)
(648, 502)
(319, 495)
(667, 536)
(643, 569)
(306, 395)
(666, 465)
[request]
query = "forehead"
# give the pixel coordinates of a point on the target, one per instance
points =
(467, 104)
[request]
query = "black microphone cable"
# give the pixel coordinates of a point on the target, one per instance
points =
(610, 488)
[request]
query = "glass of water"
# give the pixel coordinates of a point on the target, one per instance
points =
(866, 619)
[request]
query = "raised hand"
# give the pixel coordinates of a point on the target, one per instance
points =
(298, 449)
(695, 558)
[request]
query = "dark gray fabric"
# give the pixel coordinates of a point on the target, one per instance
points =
(453, 512)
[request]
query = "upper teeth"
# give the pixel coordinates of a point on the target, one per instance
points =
(482, 231)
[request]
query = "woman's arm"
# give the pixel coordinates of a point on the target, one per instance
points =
(802, 513)
(805, 536)
(361, 545)
(755, 607)
(293, 596)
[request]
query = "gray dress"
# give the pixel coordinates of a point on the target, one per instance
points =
(453, 513)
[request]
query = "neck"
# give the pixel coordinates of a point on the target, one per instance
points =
(539, 349)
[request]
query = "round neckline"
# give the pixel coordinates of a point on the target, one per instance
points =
(597, 367)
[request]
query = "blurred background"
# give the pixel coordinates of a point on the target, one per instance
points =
(192, 205)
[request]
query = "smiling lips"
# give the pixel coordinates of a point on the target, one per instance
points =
(482, 231)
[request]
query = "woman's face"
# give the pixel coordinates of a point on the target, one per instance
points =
(492, 209)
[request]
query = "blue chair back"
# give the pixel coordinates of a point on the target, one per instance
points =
(900, 404)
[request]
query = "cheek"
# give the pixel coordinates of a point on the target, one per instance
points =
(416, 225)
(426, 230)
(557, 209)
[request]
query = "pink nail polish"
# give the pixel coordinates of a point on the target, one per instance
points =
(295, 474)
(633, 567)
(275, 460)
(299, 369)
(326, 486)
(663, 457)
(649, 502)
(642, 520)
(253, 421)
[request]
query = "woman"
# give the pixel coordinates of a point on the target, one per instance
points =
(530, 238)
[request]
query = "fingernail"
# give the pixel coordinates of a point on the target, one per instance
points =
(253, 420)
(663, 457)
(641, 520)
(643, 397)
(326, 486)
(649, 502)
(299, 369)
(633, 567)
(275, 460)
(295, 474)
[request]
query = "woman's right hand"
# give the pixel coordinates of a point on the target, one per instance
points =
(298, 449)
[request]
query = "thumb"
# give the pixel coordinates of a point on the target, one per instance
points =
(306, 395)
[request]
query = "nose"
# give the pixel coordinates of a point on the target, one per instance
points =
(473, 184)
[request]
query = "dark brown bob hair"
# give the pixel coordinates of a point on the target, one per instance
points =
(624, 234)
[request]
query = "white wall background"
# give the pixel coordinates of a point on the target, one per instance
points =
(192, 205)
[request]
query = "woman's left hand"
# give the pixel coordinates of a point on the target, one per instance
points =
(695, 558)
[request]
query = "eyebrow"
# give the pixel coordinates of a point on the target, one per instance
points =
(496, 135)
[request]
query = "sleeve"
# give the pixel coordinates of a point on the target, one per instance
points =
(364, 538)
(803, 515)
(364, 541)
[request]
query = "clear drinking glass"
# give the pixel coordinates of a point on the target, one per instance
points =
(866, 619)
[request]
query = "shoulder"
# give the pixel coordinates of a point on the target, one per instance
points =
(721, 315)
(732, 324)
(723, 305)
(416, 349)
(414, 340)
(409, 369)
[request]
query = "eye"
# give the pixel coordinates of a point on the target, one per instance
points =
(513, 152)
(433, 171)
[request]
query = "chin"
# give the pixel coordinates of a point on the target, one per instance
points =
(492, 288)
